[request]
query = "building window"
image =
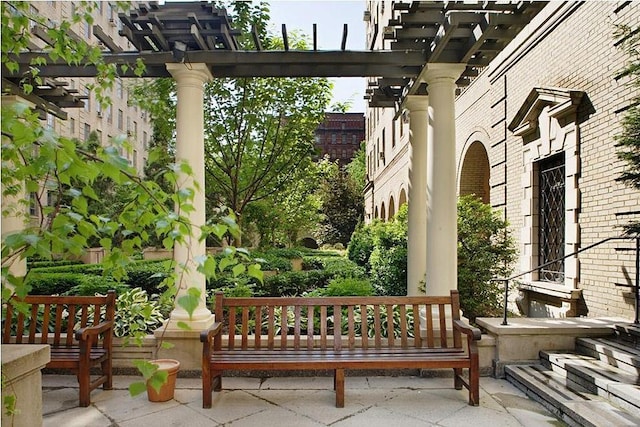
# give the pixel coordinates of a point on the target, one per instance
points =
(72, 126)
(551, 215)
(109, 114)
(99, 134)
(120, 120)
(135, 159)
(33, 204)
(50, 121)
(333, 138)
(87, 100)
(87, 131)
(119, 89)
(344, 139)
(145, 141)
(87, 30)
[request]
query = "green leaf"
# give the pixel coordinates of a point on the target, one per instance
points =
(147, 369)
(137, 388)
(238, 270)
(183, 325)
(190, 300)
(255, 270)
(157, 380)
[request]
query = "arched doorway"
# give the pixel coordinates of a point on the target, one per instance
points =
(392, 208)
(383, 212)
(474, 175)
(376, 215)
(403, 198)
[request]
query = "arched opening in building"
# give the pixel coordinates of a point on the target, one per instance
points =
(392, 208)
(403, 198)
(375, 215)
(474, 176)
(383, 212)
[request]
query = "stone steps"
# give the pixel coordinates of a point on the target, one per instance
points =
(574, 408)
(597, 385)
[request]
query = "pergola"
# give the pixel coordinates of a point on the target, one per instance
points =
(436, 48)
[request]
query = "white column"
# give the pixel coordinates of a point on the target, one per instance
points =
(417, 195)
(442, 233)
(190, 148)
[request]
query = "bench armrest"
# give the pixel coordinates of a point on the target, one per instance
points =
(471, 332)
(207, 335)
(83, 333)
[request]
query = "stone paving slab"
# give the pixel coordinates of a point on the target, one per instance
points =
(297, 401)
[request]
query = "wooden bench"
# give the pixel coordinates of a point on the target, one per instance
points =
(432, 341)
(78, 328)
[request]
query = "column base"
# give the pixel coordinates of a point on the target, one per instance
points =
(185, 343)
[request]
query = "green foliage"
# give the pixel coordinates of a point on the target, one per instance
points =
(349, 287)
(628, 142)
(485, 251)
(54, 263)
(342, 206)
(136, 315)
(388, 260)
(293, 283)
(361, 244)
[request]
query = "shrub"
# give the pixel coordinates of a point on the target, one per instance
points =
(45, 264)
(136, 315)
(91, 285)
(56, 283)
(485, 250)
(349, 287)
(388, 260)
(361, 245)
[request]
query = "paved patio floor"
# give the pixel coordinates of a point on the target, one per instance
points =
(296, 401)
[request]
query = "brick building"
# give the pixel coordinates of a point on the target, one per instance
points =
(535, 135)
(339, 136)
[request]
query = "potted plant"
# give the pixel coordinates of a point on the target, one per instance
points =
(160, 379)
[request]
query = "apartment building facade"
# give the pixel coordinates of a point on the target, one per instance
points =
(339, 136)
(535, 138)
(119, 117)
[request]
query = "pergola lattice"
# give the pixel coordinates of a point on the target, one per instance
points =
(420, 33)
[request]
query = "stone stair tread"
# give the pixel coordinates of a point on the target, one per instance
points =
(602, 414)
(578, 408)
(587, 366)
(611, 351)
(545, 382)
(613, 344)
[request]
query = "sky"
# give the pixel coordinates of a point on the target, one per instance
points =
(330, 17)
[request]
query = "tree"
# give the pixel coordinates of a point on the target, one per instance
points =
(629, 140)
(260, 131)
(342, 205)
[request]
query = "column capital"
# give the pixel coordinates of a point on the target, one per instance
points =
(416, 102)
(197, 71)
(441, 72)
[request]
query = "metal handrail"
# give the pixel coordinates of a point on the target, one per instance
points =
(637, 285)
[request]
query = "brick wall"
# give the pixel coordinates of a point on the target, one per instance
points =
(575, 51)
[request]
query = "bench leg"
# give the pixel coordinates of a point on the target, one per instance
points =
(84, 383)
(474, 382)
(338, 382)
(457, 378)
(107, 371)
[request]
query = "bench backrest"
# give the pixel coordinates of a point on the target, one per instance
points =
(418, 321)
(53, 319)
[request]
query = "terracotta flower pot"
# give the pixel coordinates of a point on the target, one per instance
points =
(168, 388)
